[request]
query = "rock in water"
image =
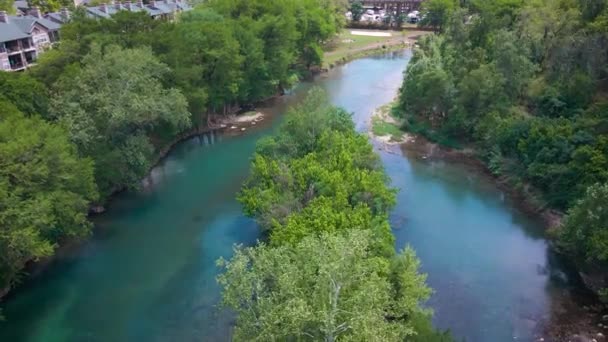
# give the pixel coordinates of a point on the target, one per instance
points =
(97, 209)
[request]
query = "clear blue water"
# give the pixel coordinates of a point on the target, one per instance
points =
(149, 272)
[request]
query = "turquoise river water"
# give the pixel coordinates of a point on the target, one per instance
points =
(148, 273)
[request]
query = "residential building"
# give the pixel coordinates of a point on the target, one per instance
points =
(160, 9)
(23, 38)
(398, 6)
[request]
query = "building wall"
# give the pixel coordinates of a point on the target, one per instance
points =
(401, 6)
(4, 63)
(41, 39)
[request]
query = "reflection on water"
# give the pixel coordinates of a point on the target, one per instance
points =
(494, 277)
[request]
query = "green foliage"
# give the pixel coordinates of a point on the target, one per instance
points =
(524, 82)
(585, 230)
(326, 287)
(109, 106)
(50, 5)
(435, 13)
(23, 91)
(45, 189)
(215, 82)
(7, 5)
(427, 90)
(356, 8)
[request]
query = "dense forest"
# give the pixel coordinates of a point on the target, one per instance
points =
(91, 117)
(524, 84)
(329, 270)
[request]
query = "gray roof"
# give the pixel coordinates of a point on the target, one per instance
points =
(55, 17)
(21, 5)
(21, 27)
(160, 7)
(27, 22)
(9, 31)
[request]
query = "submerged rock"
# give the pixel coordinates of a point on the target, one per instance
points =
(97, 209)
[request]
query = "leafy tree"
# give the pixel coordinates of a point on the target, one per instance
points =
(206, 61)
(49, 5)
(7, 6)
(356, 8)
(436, 13)
(110, 106)
(585, 230)
(45, 190)
(315, 26)
(324, 288)
(27, 94)
(504, 63)
(427, 88)
(399, 20)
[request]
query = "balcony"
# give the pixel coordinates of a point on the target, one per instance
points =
(17, 67)
(17, 63)
(13, 49)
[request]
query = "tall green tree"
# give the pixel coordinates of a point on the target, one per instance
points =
(436, 13)
(356, 9)
(25, 92)
(206, 61)
(585, 230)
(45, 190)
(111, 105)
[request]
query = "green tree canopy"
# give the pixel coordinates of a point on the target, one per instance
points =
(110, 106)
(25, 92)
(436, 13)
(356, 8)
(45, 190)
(324, 288)
(585, 230)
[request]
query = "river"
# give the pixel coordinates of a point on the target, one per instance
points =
(148, 273)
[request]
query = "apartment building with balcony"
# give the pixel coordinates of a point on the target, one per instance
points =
(157, 9)
(23, 38)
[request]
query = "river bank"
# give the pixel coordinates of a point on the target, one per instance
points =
(577, 316)
(231, 124)
(352, 44)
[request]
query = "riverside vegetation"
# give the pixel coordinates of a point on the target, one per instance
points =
(94, 113)
(525, 83)
(328, 270)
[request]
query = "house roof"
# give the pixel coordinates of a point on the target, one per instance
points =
(21, 27)
(55, 17)
(9, 31)
(160, 7)
(27, 22)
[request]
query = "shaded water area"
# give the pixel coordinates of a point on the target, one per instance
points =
(149, 272)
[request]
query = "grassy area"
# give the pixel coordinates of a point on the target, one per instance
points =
(382, 128)
(347, 45)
